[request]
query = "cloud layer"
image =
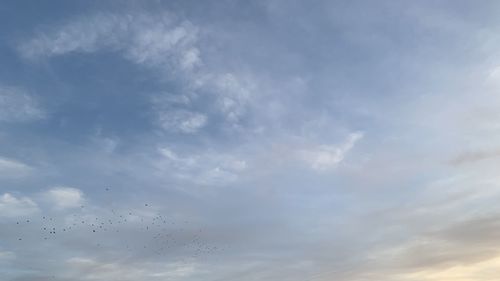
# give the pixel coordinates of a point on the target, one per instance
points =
(267, 140)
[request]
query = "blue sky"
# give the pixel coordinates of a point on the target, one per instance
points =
(250, 140)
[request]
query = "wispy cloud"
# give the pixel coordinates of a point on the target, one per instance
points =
(324, 157)
(16, 105)
(182, 121)
(153, 40)
(158, 41)
(208, 168)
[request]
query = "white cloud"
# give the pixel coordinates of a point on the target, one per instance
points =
(494, 75)
(164, 44)
(10, 168)
(147, 39)
(324, 157)
(17, 106)
(157, 41)
(65, 197)
(104, 143)
(83, 36)
(233, 96)
(191, 59)
(235, 164)
(182, 121)
(10, 206)
(206, 168)
(174, 159)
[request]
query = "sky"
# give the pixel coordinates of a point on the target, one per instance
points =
(249, 140)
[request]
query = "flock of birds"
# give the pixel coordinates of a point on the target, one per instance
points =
(136, 232)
